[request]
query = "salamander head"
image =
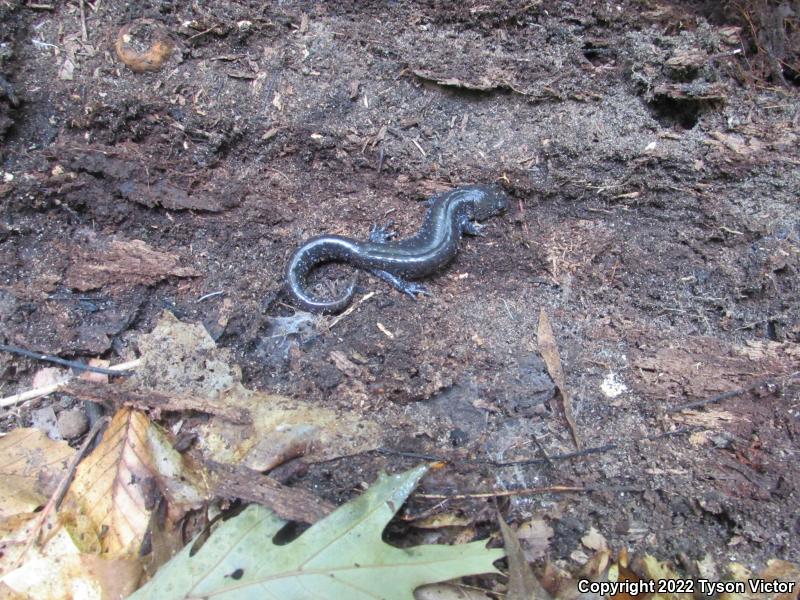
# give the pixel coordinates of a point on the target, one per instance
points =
(490, 201)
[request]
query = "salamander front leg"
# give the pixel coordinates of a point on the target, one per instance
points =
(471, 227)
(407, 287)
(381, 234)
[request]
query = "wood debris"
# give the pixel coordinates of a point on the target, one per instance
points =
(124, 263)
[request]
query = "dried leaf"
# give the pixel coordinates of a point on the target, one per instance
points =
(443, 520)
(551, 356)
(278, 427)
(535, 535)
(55, 578)
(522, 583)
(114, 484)
(558, 582)
(653, 569)
(594, 540)
(781, 570)
(31, 469)
(284, 428)
(67, 70)
(60, 569)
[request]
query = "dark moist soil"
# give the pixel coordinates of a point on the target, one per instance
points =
(653, 170)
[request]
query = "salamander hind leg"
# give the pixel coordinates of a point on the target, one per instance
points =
(407, 287)
(471, 227)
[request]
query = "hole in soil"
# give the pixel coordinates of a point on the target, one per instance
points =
(791, 75)
(598, 53)
(677, 112)
(772, 331)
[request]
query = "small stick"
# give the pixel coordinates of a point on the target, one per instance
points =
(63, 362)
(84, 32)
(528, 461)
(524, 222)
(553, 489)
(351, 309)
(543, 451)
(49, 389)
(58, 495)
(211, 295)
(197, 35)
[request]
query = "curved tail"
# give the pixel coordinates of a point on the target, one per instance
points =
(315, 252)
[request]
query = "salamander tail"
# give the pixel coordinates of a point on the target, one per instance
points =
(303, 260)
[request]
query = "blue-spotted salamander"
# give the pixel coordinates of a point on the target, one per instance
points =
(450, 215)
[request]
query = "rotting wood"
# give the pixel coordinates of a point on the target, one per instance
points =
(153, 400)
(778, 381)
(293, 504)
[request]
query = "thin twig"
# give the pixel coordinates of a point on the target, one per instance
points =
(730, 394)
(63, 362)
(553, 489)
(197, 35)
(61, 490)
(546, 456)
(211, 295)
(351, 309)
(84, 32)
(49, 389)
(550, 459)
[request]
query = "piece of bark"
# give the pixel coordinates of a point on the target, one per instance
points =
(293, 504)
(153, 400)
(124, 263)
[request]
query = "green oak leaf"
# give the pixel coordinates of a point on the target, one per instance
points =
(342, 556)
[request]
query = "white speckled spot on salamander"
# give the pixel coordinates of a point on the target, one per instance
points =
(449, 217)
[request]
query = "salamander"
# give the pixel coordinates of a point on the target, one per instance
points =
(449, 216)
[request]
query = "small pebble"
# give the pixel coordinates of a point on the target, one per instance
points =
(72, 424)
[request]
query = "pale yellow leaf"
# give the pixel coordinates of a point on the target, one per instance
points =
(74, 576)
(652, 568)
(443, 520)
(112, 485)
(594, 540)
(30, 469)
(784, 571)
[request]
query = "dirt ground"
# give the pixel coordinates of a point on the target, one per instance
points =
(651, 153)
